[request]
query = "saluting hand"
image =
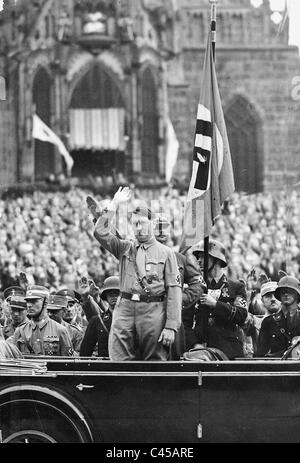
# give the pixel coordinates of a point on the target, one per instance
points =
(167, 337)
(123, 195)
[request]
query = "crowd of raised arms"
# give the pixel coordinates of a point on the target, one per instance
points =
(76, 281)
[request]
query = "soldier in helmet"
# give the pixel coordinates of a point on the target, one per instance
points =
(278, 330)
(56, 308)
(192, 281)
(222, 311)
(41, 335)
(98, 329)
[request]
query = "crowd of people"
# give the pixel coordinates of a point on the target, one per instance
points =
(48, 235)
(59, 249)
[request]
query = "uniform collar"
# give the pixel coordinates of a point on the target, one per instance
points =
(221, 280)
(40, 323)
(148, 244)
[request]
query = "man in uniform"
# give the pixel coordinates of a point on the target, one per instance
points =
(18, 312)
(7, 321)
(41, 335)
(74, 312)
(192, 281)
(56, 307)
(219, 314)
(147, 315)
(97, 331)
(270, 305)
(278, 330)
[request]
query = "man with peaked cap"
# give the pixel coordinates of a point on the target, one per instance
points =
(41, 335)
(18, 312)
(278, 330)
(13, 291)
(56, 307)
(192, 281)
(97, 331)
(73, 312)
(222, 311)
(147, 315)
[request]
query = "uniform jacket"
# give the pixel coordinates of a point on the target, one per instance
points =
(276, 334)
(9, 329)
(47, 337)
(75, 333)
(97, 331)
(162, 275)
(223, 322)
(190, 276)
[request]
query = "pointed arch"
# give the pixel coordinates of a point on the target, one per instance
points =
(97, 122)
(244, 129)
(44, 157)
(150, 117)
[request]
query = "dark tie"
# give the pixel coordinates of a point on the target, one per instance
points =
(141, 261)
(213, 283)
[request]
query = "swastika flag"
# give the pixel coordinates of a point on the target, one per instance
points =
(212, 180)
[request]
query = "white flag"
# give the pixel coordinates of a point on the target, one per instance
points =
(42, 132)
(172, 150)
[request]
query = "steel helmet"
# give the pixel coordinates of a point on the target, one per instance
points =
(215, 249)
(288, 282)
(110, 283)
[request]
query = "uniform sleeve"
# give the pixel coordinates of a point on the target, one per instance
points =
(195, 283)
(90, 339)
(235, 312)
(90, 307)
(66, 348)
(77, 339)
(107, 238)
(174, 292)
(15, 337)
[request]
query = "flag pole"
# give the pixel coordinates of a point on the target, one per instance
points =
(213, 28)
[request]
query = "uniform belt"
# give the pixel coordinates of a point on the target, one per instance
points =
(141, 298)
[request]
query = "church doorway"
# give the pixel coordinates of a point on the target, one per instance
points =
(97, 125)
(242, 123)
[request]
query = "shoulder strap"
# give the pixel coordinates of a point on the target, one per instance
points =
(102, 323)
(140, 280)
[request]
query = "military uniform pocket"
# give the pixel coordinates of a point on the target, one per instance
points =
(51, 345)
(154, 269)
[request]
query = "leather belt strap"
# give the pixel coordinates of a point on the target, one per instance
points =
(142, 298)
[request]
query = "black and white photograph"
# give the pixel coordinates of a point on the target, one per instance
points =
(149, 225)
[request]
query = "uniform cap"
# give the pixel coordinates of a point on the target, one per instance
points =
(110, 283)
(17, 302)
(288, 282)
(57, 302)
(215, 249)
(36, 292)
(268, 287)
(71, 294)
(13, 291)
